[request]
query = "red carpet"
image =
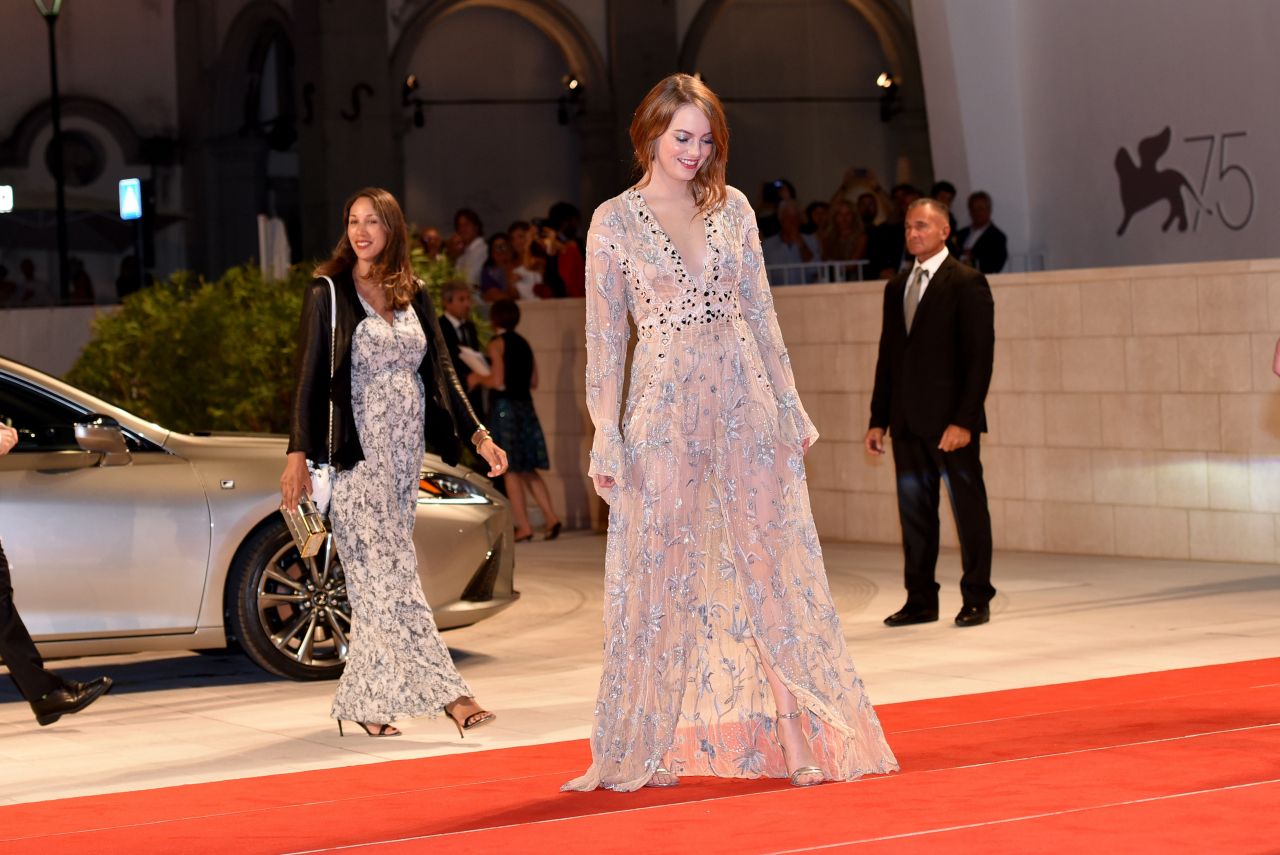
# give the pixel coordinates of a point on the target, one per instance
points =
(1170, 762)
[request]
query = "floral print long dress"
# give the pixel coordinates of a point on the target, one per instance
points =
(397, 664)
(712, 557)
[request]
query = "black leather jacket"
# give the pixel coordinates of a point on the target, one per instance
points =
(447, 407)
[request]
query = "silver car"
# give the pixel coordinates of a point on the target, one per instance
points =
(124, 536)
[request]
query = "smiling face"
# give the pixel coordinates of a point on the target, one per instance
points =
(927, 231)
(366, 231)
(685, 146)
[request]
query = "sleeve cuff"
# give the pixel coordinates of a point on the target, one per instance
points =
(795, 423)
(606, 458)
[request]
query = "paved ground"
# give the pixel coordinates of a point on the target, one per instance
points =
(177, 719)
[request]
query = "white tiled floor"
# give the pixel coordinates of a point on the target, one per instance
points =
(179, 719)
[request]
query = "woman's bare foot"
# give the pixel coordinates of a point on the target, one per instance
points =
(662, 777)
(467, 714)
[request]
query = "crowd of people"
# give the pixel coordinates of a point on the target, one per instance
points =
(27, 289)
(858, 233)
(533, 259)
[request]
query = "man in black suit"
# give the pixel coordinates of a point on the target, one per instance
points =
(936, 350)
(460, 331)
(981, 244)
(50, 696)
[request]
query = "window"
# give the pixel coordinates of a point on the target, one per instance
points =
(43, 423)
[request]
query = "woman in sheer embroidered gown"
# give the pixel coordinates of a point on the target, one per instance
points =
(723, 649)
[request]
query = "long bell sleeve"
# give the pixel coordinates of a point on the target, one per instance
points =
(607, 335)
(756, 299)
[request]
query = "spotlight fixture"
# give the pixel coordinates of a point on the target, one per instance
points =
(406, 91)
(571, 95)
(888, 96)
(409, 99)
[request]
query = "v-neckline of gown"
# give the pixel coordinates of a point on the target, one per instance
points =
(675, 250)
(371, 312)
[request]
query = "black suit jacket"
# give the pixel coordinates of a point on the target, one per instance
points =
(459, 367)
(990, 251)
(939, 374)
(447, 407)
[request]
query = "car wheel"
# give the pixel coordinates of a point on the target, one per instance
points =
(290, 614)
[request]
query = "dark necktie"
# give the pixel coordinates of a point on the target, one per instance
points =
(913, 296)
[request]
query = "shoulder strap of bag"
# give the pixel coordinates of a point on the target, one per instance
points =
(333, 345)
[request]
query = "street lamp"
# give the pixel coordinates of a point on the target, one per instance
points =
(50, 13)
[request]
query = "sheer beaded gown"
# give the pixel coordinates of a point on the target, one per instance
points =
(712, 553)
(397, 664)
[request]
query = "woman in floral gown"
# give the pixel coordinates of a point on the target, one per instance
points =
(392, 383)
(723, 649)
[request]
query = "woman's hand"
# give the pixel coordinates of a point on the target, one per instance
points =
(8, 438)
(493, 455)
(295, 481)
(605, 482)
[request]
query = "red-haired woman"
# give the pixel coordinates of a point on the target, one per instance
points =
(393, 386)
(723, 649)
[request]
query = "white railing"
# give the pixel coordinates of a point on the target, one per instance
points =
(816, 272)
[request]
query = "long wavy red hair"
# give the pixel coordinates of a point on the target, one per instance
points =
(394, 268)
(652, 119)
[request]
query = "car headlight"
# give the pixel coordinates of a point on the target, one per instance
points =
(438, 488)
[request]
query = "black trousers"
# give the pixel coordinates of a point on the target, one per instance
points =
(16, 647)
(920, 469)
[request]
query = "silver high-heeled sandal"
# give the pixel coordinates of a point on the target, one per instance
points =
(665, 778)
(798, 775)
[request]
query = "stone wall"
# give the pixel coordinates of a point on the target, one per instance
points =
(1133, 411)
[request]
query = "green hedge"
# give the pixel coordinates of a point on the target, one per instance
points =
(194, 355)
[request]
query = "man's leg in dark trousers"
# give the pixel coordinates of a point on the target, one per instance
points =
(919, 477)
(973, 521)
(16, 648)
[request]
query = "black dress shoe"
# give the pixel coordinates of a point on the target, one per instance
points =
(71, 698)
(973, 616)
(908, 615)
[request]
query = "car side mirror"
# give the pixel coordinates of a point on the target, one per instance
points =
(102, 435)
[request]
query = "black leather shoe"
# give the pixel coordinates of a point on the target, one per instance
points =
(973, 616)
(71, 698)
(909, 614)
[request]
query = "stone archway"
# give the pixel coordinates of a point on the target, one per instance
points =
(897, 39)
(225, 165)
(583, 58)
(16, 151)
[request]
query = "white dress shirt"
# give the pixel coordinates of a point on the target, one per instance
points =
(930, 266)
(472, 260)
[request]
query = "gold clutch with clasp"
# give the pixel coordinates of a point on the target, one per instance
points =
(307, 525)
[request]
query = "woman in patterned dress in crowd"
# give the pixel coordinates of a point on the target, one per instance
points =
(393, 385)
(723, 653)
(515, 422)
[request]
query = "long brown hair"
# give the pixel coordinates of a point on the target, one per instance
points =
(393, 269)
(652, 119)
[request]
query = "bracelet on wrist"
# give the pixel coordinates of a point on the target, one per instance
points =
(481, 434)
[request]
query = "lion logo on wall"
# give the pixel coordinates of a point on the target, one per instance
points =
(1143, 185)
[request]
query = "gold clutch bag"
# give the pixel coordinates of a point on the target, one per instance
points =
(307, 525)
